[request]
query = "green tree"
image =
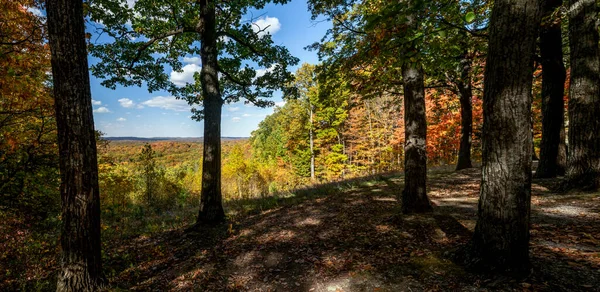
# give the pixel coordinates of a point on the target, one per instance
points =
(147, 165)
(154, 34)
(376, 41)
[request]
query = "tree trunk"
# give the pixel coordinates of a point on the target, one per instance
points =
(561, 159)
(80, 267)
(414, 195)
(312, 151)
(583, 166)
(465, 93)
(553, 88)
(501, 237)
(211, 207)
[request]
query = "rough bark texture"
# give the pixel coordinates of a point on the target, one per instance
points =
(80, 264)
(501, 237)
(465, 94)
(583, 169)
(553, 88)
(414, 195)
(211, 207)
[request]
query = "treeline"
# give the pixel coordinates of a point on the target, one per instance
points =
(332, 131)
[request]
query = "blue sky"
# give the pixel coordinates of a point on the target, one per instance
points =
(133, 111)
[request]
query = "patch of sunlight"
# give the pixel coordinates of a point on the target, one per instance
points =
(367, 183)
(385, 199)
(276, 236)
(383, 228)
(569, 211)
(246, 232)
(460, 199)
(246, 258)
(273, 259)
(376, 190)
(308, 222)
(431, 263)
(186, 281)
(356, 202)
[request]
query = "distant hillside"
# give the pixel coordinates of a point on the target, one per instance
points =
(177, 139)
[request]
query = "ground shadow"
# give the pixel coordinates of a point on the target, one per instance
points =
(350, 236)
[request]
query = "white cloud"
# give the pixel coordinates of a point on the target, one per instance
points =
(280, 103)
(265, 25)
(192, 60)
(236, 119)
(126, 102)
(121, 119)
(168, 103)
(35, 11)
(102, 110)
(233, 109)
(262, 72)
(96, 102)
(187, 76)
(246, 115)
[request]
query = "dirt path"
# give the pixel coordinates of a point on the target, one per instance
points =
(354, 240)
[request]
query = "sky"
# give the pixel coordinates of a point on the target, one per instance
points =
(133, 111)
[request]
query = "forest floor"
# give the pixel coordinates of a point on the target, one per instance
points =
(352, 238)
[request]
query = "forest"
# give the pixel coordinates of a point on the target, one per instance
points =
(437, 145)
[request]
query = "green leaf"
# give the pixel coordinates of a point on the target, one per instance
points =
(470, 17)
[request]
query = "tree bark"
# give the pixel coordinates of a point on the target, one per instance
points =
(501, 237)
(553, 88)
(583, 166)
(465, 94)
(414, 195)
(312, 151)
(80, 267)
(211, 207)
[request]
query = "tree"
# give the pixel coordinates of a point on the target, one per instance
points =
(501, 237)
(551, 161)
(453, 61)
(81, 267)
(465, 94)
(153, 34)
(28, 152)
(414, 195)
(375, 42)
(149, 173)
(306, 83)
(583, 165)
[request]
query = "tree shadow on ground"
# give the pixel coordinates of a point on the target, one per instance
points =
(349, 236)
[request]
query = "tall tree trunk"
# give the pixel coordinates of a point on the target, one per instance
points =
(501, 238)
(414, 195)
(465, 93)
(553, 89)
(583, 166)
(561, 159)
(312, 143)
(80, 267)
(211, 206)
